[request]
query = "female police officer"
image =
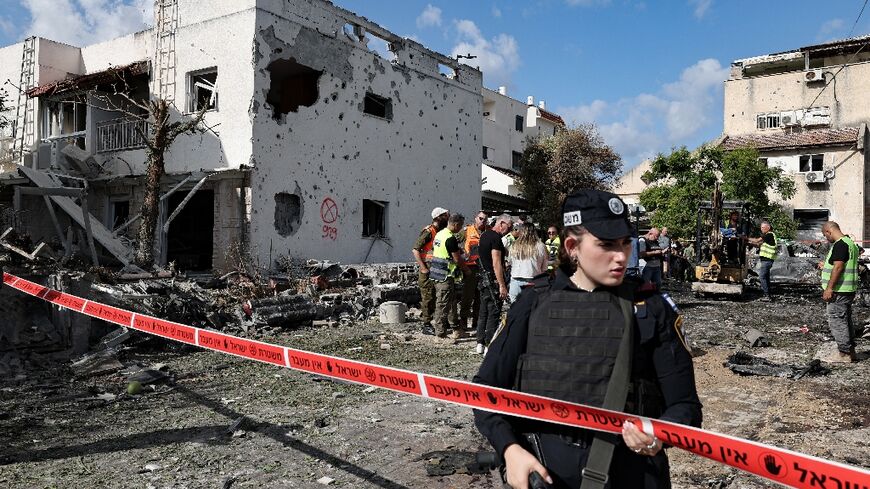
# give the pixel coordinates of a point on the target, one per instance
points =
(566, 337)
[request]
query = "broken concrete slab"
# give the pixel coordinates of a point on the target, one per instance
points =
(100, 233)
(756, 338)
(96, 363)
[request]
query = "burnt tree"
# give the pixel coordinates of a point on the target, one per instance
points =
(160, 137)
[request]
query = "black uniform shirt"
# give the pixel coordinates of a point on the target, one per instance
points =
(658, 346)
(490, 240)
(840, 252)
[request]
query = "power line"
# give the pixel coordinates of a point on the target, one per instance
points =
(834, 77)
(859, 18)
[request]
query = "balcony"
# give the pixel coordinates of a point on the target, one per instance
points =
(120, 135)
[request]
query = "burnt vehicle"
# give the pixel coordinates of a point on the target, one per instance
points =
(796, 264)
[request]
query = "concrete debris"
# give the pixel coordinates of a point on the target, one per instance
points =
(325, 480)
(393, 312)
(99, 362)
(756, 338)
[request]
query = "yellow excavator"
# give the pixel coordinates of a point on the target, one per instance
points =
(720, 248)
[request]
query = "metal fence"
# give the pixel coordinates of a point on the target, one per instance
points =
(120, 134)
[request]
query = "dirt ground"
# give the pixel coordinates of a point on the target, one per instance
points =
(220, 421)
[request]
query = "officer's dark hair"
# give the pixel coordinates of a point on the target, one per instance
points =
(566, 263)
(456, 218)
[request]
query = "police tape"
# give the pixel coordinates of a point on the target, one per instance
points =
(775, 464)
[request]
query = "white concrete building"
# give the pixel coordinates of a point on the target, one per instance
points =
(321, 146)
(806, 111)
(508, 124)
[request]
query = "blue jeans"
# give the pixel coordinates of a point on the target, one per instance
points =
(653, 274)
(516, 286)
(764, 275)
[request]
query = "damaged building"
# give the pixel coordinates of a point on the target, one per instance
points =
(806, 112)
(324, 135)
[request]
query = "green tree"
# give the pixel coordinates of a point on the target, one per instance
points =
(554, 166)
(683, 179)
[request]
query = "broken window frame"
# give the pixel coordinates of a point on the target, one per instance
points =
(808, 162)
(112, 220)
(80, 115)
(378, 229)
(194, 86)
(385, 102)
(766, 121)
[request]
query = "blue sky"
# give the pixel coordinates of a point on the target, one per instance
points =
(648, 73)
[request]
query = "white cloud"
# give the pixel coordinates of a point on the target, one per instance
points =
(496, 12)
(639, 127)
(498, 58)
(701, 7)
(431, 16)
(830, 29)
(82, 22)
(584, 113)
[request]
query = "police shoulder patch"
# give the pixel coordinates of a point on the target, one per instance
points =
(681, 334)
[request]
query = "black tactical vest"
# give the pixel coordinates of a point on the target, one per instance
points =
(572, 344)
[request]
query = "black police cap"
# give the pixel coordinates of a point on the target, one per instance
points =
(602, 213)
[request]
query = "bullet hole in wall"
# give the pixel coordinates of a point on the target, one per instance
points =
(288, 213)
(291, 85)
(378, 106)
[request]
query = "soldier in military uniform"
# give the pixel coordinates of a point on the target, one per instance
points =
(588, 336)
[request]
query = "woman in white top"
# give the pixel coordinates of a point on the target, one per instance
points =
(528, 259)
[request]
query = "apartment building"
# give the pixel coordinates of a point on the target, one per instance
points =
(806, 112)
(508, 124)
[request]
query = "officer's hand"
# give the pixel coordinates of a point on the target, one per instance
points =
(502, 292)
(519, 464)
(828, 295)
(639, 442)
(424, 270)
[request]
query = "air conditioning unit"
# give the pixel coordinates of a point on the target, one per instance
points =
(815, 177)
(789, 119)
(812, 76)
(817, 116)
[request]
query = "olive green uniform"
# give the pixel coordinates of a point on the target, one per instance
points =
(427, 287)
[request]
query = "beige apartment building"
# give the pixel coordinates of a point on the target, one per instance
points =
(806, 111)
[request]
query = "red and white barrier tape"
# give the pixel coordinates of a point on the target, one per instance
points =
(776, 464)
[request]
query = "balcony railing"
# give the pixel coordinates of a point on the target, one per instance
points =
(120, 134)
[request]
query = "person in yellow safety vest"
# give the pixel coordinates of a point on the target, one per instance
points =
(470, 239)
(422, 252)
(766, 244)
(446, 263)
(552, 243)
(839, 282)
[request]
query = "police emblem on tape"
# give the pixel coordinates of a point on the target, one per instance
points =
(572, 218)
